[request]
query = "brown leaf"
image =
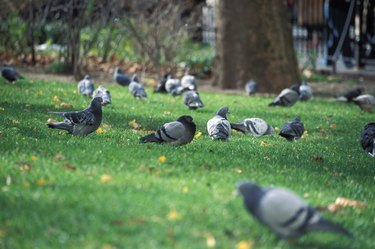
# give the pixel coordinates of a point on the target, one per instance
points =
(59, 157)
(66, 105)
(70, 166)
(317, 159)
(342, 203)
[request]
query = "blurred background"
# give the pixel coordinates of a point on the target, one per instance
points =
(223, 43)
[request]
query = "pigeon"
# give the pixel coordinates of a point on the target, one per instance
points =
(367, 139)
(177, 132)
(349, 95)
(121, 78)
(366, 102)
(137, 89)
(188, 82)
(251, 87)
(173, 86)
(287, 97)
(104, 94)
(292, 130)
(254, 126)
(10, 74)
(305, 91)
(192, 100)
(218, 127)
(86, 86)
(80, 122)
(160, 88)
(283, 212)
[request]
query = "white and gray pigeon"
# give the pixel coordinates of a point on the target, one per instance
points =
(192, 99)
(86, 86)
(10, 74)
(251, 87)
(137, 89)
(283, 212)
(104, 94)
(160, 88)
(80, 123)
(293, 129)
(366, 102)
(173, 86)
(305, 91)
(254, 126)
(351, 94)
(121, 77)
(367, 138)
(178, 132)
(188, 82)
(218, 127)
(288, 97)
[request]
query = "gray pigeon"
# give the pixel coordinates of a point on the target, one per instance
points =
(366, 102)
(137, 89)
(351, 94)
(173, 86)
(367, 139)
(104, 94)
(283, 212)
(121, 78)
(287, 97)
(254, 126)
(218, 127)
(80, 122)
(10, 74)
(251, 87)
(192, 100)
(305, 91)
(188, 82)
(177, 132)
(86, 86)
(292, 130)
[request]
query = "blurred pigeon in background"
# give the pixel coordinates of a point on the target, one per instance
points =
(305, 91)
(287, 97)
(104, 94)
(366, 102)
(86, 86)
(367, 139)
(283, 212)
(173, 86)
(218, 127)
(177, 132)
(80, 122)
(251, 87)
(121, 78)
(349, 95)
(188, 82)
(10, 74)
(160, 88)
(254, 126)
(137, 89)
(292, 130)
(192, 100)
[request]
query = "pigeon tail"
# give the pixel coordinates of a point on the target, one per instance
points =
(151, 138)
(238, 127)
(60, 125)
(325, 225)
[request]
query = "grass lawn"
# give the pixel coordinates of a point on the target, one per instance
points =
(107, 190)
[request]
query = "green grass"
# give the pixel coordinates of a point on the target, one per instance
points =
(61, 201)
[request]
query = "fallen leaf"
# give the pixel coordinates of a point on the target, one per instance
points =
(59, 156)
(238, 170)
(344, 202)
(41, 182)
(317, 159)
(25, 168)
(51, 120)
(39, 93)
(266, 158)
(33, 158)
(245, 244)
(57, 98)
(66, 105)
(162, 159)
(197, 135)
(70, 166)
(100, 131)
(105, 178)
(167, 113)
(264, 144)
(134, 124)
(173, 215)
(332, 126)
(305, 134)
(277, 129)
(210, 240)
(106, 126)
(185, 189)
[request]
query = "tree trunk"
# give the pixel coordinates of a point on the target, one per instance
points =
(254, 41)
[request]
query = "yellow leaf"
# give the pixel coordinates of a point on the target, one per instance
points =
(66, 105)
(210, 240)
(105, 178)
(40, 93)
(51, 120)
(167, 113)
(173, 215)
(100, 131)
(264, 144)
(57, 98)
(134, 124)
(277, 129)
(344, 202)
(245, 244)
(162, 159)
(238, 170)
(196, 136)
(41, 182)
(106, 126)
(25, 168)
(185, 189)
(33, 158)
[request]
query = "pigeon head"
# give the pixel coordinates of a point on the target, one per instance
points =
(251, 193)
(223, 111)
(87, 77)
(185, 119)
(118, 70)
